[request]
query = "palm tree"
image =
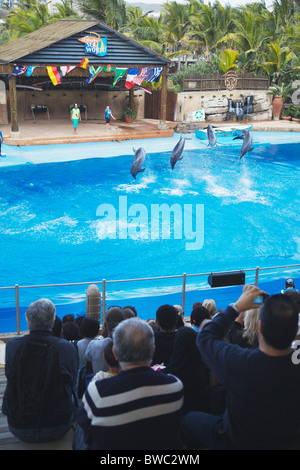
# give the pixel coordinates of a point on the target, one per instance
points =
(148, 31)
(278, 63)
(250, 37)
(25, 17)
(176, 19)
(210, 23)
(228, 59)
(110, 12)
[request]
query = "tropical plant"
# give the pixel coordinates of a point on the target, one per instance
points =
(210, 24)
(129, 112)
(279, 63)
(228, 59)
(110, 12)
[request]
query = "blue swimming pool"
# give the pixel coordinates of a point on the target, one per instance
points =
(88, 219)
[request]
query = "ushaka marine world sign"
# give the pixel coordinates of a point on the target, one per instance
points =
(94, 45)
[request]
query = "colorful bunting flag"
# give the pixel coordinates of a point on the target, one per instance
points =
(155, 75)
(18, 70)
(119, 73)
(93, 73)
(131, 74)
(109, 68)
(55, 75)
(84, 63)
(66, 69)
(29, 70)
(144, 73)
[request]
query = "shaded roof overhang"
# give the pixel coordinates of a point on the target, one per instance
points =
(58, 44)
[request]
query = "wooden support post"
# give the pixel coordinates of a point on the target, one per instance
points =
(163, 100)
(131, 98)
(13, 104)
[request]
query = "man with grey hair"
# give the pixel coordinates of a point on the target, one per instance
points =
(41, 372)
(137, 409)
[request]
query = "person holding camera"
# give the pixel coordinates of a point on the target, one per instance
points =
(263, 384)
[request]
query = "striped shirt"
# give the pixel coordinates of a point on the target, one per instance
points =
(137, 409)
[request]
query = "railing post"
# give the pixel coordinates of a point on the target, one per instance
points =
(183, 291)
(17, 309)
(256, 276)
(103, 300)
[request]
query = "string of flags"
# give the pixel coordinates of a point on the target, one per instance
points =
(147, 77)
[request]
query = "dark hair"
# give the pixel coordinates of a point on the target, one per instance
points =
(109, 355)
(166, 317)
(295, 296)
(56, 330)
(71, 331)
(68, 317)
(131, 308)
(128, 313)
(89, 327)
(113, 316)
(198, 315)
(279, 321)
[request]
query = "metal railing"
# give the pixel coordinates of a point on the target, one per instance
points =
(104, 283)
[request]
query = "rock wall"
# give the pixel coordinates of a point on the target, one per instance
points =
(215, 105)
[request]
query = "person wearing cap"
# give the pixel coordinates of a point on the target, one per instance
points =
(95, 348)
(289, 285)
(75, 115)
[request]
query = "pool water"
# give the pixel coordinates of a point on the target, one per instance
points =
(54, 228)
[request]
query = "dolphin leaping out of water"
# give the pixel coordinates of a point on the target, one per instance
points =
(212, 140)
(176, 152)
(247, 138)
(139, 158)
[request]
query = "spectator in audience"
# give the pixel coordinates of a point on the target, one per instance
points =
(128, 313)
(199, 317)
(55, 400)
(180, 321)
(210, 305)
(131, 308)
(197, 304)
(148, 412)
(89, 329)
(295, 296)
(71, 331)
(113, 363)
(166, 318)
(289, 286)
(95, 348)
(186, 364)
(263, 384)
(244, 330)
(68, 317)
(152, 323)
(57, 327)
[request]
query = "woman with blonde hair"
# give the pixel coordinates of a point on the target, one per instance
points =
(244, 330)
(210, 305)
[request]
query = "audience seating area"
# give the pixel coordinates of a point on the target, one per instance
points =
(202, 313)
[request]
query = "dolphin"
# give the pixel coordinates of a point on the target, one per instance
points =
(212, 140)
(247, 138)
(176, 152)
(139, 158)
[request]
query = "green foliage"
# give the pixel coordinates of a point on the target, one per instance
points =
(247, 39)
(130, 112)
